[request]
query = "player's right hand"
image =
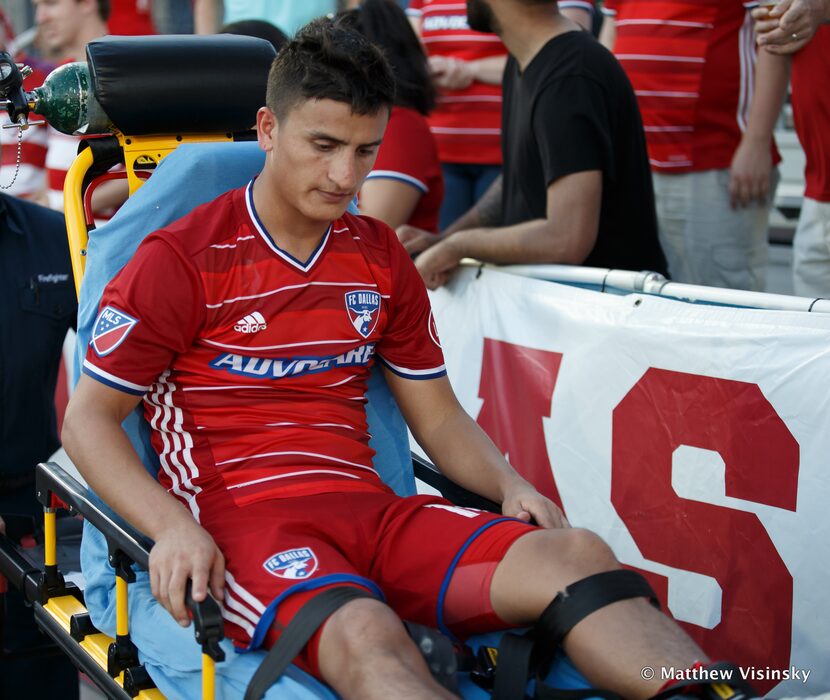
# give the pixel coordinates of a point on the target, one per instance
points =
(181, 553)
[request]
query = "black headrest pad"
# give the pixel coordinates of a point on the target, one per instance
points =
(171, 84)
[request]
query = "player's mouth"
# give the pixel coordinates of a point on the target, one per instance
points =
(335, 197)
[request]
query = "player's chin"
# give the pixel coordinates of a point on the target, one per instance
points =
(328, 207)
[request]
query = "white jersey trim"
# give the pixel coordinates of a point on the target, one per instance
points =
(112, 378)
(395, 175)
(298, 454)
(287, 288)
(290, 474)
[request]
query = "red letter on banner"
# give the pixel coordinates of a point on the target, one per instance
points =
(517, 388)
(665, 410)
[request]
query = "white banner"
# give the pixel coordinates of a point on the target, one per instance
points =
(695, 439)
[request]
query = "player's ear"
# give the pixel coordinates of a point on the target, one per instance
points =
(266, 128)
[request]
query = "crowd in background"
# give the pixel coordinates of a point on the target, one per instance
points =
(708, 99)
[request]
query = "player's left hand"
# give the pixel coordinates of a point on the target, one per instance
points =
(749, 174)
(524, 502)
(437, 263)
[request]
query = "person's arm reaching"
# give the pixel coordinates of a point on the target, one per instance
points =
(567, 235)
(464, 453)
(485, 213)
(752, 163)
(93, 437)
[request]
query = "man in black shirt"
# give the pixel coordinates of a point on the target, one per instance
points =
(576, 185)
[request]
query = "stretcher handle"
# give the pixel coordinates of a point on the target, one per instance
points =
(208, 623)
(50, 478)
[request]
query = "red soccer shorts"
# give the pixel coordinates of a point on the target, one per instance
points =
(280, 553)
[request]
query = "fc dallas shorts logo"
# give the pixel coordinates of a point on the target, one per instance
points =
(292, 563)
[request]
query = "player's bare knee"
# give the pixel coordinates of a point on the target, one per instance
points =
(363, 628)
(589, 551)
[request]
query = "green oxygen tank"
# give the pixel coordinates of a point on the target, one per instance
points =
(66, 101)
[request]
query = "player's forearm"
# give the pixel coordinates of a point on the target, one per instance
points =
(533, 242)
(464, 453)
(99, 447)
(771, 79)
(487, 211)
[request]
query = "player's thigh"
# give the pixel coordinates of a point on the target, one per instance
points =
(424, 541)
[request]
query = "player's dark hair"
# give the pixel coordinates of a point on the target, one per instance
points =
(329, 62)
(384, 23)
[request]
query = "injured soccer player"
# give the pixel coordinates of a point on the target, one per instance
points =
(247, 329)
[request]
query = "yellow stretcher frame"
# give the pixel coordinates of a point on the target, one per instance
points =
(139, 152)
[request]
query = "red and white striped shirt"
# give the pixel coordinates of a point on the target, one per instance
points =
(252, 364)
(31, 178)
(692, 65)
(466, 123)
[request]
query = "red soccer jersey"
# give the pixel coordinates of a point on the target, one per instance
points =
(253, 365)
(466, 123)
(692, 65)
(811, 108)
(408, 154)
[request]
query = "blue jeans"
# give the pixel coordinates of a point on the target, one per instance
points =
(464, 183)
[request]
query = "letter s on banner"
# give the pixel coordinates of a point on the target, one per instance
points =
(665, 410)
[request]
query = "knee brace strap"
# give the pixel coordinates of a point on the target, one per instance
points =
(523, 655)
(296, 635)
(586, 596)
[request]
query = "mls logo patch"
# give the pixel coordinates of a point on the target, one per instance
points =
(292, 563)
(110, 329)
(364, 310)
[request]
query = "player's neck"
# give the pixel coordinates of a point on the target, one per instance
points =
(290, 230)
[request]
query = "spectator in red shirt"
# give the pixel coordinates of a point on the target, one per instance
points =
(65, 27)
(708, 117)
(405, 186)
(28, 178)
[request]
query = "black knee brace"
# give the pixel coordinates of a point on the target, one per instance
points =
(520, 656)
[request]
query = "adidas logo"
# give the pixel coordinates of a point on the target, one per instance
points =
(252, 323)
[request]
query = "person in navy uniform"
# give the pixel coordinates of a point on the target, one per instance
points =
(37, 308)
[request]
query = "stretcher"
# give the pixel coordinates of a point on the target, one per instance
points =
(107, 621)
